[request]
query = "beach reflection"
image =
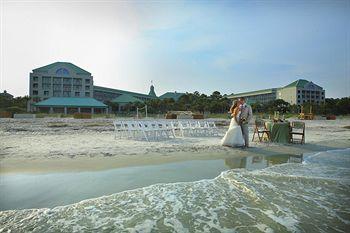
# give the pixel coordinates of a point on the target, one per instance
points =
(259, 162)
(20, 191)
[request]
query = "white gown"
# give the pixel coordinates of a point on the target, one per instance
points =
(233, 136)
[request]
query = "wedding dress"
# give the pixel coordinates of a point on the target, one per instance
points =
(233, 136)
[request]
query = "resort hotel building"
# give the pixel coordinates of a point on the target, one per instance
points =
(298, 92)
(63, 87)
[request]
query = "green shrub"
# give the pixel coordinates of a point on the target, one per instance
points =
(82, 115)
(15, 110)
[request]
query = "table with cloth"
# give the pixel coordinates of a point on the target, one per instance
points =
(279, 131)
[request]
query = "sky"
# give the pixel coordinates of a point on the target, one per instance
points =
(184, 46)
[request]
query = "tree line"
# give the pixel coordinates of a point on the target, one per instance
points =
(195, 102)
(14, 105)
(339, 106)
(202, 103)
(217, 103)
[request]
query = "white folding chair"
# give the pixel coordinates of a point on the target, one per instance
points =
(146, 129)
(118, 129)
(175, 127)
(169, 128)
(162, 129)
(185, 128)
(133, 129)
(212, 128)
(194, 128)
(203, 128)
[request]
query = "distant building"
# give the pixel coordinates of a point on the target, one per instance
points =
(261, 96)
(298, 92)
(172, 95)
(65, 87)
(110, 94)
(6, 95)
(59, 79)
(302, 91)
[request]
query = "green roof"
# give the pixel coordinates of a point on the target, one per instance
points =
(126, 98)
(299, 83)
(252, 93)
(70, 102)
(73, 67)
(6, 94)
(112, 90)
(171, 95)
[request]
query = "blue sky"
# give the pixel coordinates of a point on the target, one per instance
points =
(229, 46)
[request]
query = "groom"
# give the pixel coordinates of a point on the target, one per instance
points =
(245, 117)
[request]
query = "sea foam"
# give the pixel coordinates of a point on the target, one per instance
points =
(309, 197)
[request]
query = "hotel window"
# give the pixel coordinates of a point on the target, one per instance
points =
(35, 85)
(87, 88)
(57, 80)
(62, 71)
(35, 92)
(298, 91)
(46, 80)
(87, 81)
(87, 93)
(57, 93)
(35, 78)
(36, 99)
(77, 87)
(66, 87)
(77, 94)
(46, 86)
(67, 81)
(46, 93)
(57, 87)
(77, 81)
(66, 93)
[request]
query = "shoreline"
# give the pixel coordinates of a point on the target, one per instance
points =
(11, 166)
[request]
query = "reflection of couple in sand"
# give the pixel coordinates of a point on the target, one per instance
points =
(238, 134)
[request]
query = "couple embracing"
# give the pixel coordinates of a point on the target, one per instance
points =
(238, 133)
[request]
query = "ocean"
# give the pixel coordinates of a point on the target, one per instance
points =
(312, 196)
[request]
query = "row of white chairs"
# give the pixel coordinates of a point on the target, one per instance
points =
(157, 129)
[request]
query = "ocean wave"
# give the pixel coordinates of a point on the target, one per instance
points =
(308, 197)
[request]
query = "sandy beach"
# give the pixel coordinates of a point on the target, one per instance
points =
(54, 144)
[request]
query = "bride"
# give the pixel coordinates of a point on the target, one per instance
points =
(233, 136)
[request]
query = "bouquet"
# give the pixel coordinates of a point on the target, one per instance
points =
(243, 121)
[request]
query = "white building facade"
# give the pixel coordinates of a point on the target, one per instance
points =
(299, 92)
(59, 79)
